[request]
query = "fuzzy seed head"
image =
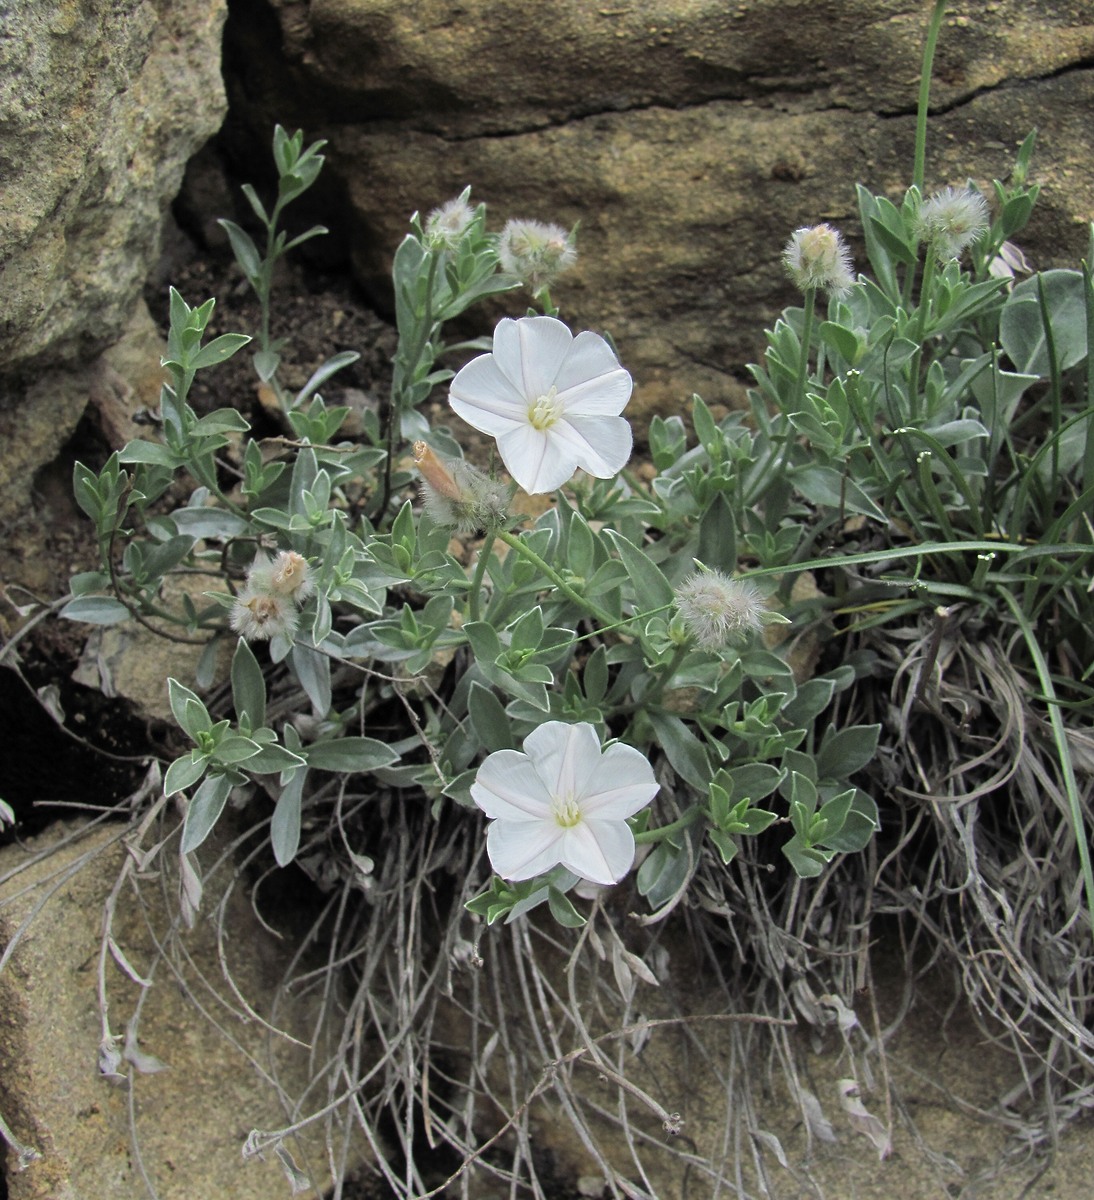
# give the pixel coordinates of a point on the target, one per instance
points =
(951, 220)
(817, 257)
(535, 252)
(445, 226)
(717, 610)
(260, 615)
(456, 495)
(290, 576)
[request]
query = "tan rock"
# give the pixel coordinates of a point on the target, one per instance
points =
(191, 1119)
(101, 105)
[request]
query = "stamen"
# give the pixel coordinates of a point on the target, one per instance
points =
(545, 411)
(567, 811)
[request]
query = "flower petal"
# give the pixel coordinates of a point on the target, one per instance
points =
(599, 396)
(600, 851)
(564, 755)
(530, 352)
(538, 460)
(522, 850)
(507, 785)
(485, 398)
(600, 445)
(589, 357)
(620, 784)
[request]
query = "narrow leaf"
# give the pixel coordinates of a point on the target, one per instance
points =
(204, 811)
(285, 824)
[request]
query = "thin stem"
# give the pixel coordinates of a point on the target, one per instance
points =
(208, 478)
(480, 576)
(549, 573)
(919, 327)
(405, 369)
(807, 337)
(803, 375)
(925, 93)
(649, 836)
(264, 290)
(625, 623)
(24, 1154)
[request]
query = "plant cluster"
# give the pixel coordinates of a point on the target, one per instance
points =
(663, 672)
(615, 611)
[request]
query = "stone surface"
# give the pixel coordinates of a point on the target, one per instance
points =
(101, 104)
(115, 384)
(689, 137)
(191, 1119)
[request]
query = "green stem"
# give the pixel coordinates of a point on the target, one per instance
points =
(406, 365)
(479, 576)
(925, 94)
(922, 313)
(650, 836)
(807, 337)
(264, 291)
(549, 573)
(802, 376)
(543, 299)
(625, 623)
(208, 478)
(421, 338)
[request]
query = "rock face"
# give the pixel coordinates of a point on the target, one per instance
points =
(188, 1122)
(689, 137)
(101, 105)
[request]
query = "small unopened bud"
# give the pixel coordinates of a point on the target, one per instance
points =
(535, 253)
(717, 610)
(457, 495)
(951, 220)
(445, 226)
(816, 257)
(258, 616)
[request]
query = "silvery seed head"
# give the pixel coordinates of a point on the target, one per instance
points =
(817, 257)
(952, 220)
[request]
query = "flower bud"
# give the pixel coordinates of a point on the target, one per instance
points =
(535, 253)
(816, 257)
(457, 495)
(717, 610)
(951, 220)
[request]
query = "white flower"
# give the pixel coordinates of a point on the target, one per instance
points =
(816, 257)
(563, 801)
(551, 400)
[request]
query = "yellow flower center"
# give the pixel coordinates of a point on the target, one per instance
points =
(545, 412)
(567, 811)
